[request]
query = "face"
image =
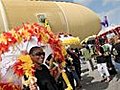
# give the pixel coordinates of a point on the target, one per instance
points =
(38, 56)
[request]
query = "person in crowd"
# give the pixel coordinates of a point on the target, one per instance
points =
(93, 54)
(76, 62)
(45, 80)
(70, 68)
(82, 60)
(102, 65)
(87, 55)
(107, 53)
(116, 52)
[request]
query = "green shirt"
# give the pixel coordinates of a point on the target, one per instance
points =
(86, 54)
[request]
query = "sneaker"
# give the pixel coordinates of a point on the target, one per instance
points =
(103, 80)
(108, 80)
(78, 88)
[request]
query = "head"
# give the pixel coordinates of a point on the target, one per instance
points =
(101, 51)
(111, 40)
(37, 55)
(116, 39)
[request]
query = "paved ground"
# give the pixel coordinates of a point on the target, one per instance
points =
(91, 81)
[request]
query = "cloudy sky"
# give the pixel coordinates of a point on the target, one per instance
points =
(110, 8)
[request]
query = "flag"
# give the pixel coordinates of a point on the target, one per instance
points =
(105, 22)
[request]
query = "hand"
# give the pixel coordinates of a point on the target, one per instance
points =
(33, 86)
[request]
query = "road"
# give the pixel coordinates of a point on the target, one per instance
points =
(91, 81)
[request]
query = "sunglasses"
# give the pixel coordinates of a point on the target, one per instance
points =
(39, 54)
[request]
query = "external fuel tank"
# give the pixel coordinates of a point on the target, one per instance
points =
(72, 18)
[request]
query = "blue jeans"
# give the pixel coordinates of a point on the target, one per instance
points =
(117, 66)
(75, 76)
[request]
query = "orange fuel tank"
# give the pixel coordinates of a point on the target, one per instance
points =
(62, 16)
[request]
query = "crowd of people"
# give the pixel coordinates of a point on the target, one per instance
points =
(107, 58)
(54, 75)
(51, 77)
